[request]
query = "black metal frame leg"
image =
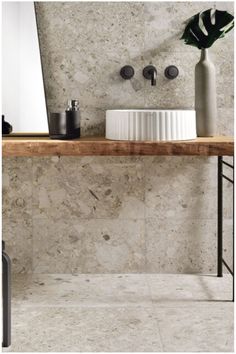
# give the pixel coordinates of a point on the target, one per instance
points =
(220, 220)
(220, 259)
(6, 299)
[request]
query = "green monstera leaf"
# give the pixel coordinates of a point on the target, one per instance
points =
(204, 28)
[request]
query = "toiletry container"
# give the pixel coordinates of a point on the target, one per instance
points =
(65, 125)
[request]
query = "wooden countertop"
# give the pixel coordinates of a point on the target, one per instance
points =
(95, 146)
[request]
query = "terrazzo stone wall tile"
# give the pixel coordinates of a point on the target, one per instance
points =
(100, 187)
(188, 192)
(165, 22)
(132, 202)
(18, 237)
(89, 246)
(225, 122)
(17, 187)
(182, 245)
(182, 88)
(17, 212)
(84, 45)
(228, 240)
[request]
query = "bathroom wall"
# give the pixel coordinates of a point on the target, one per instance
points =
(118, 214)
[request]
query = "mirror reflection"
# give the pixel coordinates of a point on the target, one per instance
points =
(23, 96)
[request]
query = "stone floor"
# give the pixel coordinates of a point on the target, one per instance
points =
(122, 313)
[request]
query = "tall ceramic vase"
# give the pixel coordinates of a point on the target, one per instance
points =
(205, 96)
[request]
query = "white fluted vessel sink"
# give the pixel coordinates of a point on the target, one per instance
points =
(150, 124)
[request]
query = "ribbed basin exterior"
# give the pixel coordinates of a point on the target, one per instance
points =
(155, 125)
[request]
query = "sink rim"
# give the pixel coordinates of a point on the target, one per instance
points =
(151, 110)
(151, 124)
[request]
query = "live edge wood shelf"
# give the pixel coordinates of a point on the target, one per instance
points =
(98, 146)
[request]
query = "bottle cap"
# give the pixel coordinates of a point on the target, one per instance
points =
(73, 105)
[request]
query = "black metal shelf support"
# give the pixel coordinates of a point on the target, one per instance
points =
(220, 260)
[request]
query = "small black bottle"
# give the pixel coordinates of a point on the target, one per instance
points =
(65, 125)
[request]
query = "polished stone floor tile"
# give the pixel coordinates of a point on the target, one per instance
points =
(103, 290)
(85, 329)
(121, 312)
(197, 329)
(182, 290)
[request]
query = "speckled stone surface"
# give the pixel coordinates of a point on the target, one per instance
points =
(17, 188)
(184, 243)
(91, 246)
(118, 214)
(109, 215)
(122, 313)
(95, 290)
(101, 187)
(18, 236)
(85, 330)
(197, 329)
(188, 192)
(84, 45)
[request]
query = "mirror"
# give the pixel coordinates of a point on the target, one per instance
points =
(23, 96)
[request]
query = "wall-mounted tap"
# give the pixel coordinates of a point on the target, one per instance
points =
(150, 73)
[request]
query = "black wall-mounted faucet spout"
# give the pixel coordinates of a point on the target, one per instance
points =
(150, 73)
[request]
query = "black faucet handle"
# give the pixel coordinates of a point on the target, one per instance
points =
(150, 73)
(171, 72)
(127, 72)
